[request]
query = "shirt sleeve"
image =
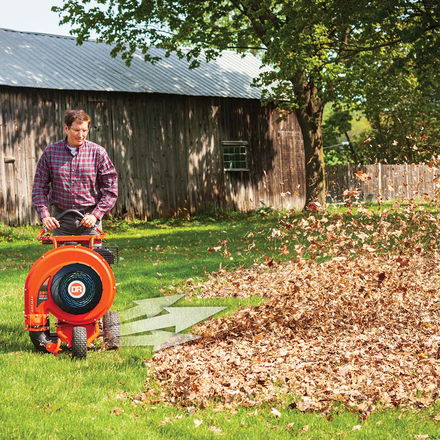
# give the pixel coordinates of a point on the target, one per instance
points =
(40, 189)
(108, 184)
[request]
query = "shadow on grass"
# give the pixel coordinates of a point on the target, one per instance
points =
(14, 338)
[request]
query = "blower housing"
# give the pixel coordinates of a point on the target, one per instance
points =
(75, 283)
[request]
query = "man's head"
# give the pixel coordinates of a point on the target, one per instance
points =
(76, 126)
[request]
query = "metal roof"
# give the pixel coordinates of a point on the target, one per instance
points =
(46, 61)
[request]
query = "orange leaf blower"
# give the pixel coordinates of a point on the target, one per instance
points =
(75, 283)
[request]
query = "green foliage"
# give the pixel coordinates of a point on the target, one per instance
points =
(404, 114)
(316, 43)
(315, 51)
(397, 88)
(342, 127)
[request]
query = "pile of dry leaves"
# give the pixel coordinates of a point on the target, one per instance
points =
(360, 331)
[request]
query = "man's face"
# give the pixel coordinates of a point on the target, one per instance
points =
(76, 133)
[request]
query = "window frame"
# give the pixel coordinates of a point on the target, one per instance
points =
(238, 144)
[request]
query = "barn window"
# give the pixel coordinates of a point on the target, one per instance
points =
(235, 155)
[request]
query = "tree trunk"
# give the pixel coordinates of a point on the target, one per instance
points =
(309, 115)
(352, 150)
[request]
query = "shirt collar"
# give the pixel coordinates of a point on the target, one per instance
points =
(66, 145)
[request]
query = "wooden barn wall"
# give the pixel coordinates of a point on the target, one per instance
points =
(167, 150)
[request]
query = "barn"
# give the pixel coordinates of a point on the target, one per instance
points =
(182, 140)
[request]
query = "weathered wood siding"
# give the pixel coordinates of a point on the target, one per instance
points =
(167, 150)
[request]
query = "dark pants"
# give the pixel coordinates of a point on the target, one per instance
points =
(70, 224)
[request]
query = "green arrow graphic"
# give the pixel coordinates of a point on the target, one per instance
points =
(159, 339)
(179, 317)
(149, 307)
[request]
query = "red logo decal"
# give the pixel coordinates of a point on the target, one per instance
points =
(76, 289)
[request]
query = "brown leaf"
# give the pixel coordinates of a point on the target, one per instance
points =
(289, 425)
(165, 421)
(215, 429)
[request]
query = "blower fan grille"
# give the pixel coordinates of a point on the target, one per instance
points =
(76, 289)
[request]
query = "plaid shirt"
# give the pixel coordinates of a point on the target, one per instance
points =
(75, 182)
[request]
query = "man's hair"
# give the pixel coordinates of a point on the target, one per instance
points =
(76, 115)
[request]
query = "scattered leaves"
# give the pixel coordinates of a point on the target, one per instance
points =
(327, 331)
(361, 327)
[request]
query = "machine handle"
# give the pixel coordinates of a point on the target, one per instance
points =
(78, 214)
(69, 211)
(61, 215)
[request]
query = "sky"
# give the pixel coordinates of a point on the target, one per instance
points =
(31, 16)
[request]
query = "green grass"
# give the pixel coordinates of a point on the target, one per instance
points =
(43, 396)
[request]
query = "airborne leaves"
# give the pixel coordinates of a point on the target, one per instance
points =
(361, 327)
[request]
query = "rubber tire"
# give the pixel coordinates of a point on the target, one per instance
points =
(79, 342)
(112, 331)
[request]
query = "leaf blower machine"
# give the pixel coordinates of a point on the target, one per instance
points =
(73, 282)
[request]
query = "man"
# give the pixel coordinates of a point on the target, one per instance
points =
(74, 174)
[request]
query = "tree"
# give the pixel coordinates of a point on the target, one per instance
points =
(400, 90)
(314, 48)
(402, 103)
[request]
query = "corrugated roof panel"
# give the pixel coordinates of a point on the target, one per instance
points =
(56, 62)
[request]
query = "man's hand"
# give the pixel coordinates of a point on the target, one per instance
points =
(50, 223)
(89, 221)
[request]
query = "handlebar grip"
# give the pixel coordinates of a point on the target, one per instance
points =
(69, 211)
(78, 214)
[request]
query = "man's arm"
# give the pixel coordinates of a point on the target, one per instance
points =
(40, 192)
(108, 184)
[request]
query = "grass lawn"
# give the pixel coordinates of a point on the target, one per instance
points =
(43, 396)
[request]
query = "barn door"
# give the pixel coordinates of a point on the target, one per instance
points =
(8, 180)
(291, 170)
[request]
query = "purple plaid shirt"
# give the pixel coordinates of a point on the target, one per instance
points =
(75, 182)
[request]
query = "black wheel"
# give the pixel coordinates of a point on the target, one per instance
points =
(79, 342)
(112, 331)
